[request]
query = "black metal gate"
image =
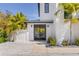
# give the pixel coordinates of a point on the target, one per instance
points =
(40, 32)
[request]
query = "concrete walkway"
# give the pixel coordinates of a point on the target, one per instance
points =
(35, 49)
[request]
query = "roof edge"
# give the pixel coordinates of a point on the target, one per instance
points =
(39, 22)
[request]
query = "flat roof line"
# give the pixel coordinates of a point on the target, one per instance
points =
(39, 22)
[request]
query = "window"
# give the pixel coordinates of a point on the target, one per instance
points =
(39, 9)
(46, 7)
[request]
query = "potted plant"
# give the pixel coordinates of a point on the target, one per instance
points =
(77, 41)
(51, 41)
(65, 43)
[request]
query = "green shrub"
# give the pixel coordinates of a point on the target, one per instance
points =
(52, 41)
(3, 36)
(65, 43)
(77, 42)
(2, 39)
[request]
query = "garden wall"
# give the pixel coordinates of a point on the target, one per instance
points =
(75, 31)
(21, 36)
(72, 33)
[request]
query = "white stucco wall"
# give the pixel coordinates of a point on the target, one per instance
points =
(31, 31)
(47, 16)
(75, 31)
(67, 33)
(50, 32)
(20, 36)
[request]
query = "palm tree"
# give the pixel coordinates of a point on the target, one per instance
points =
(20, 19)
(16, 21)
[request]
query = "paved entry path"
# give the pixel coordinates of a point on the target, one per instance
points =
(35, 49)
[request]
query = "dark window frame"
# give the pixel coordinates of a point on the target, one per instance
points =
(44, 32)
(46, 7)
(39, 9)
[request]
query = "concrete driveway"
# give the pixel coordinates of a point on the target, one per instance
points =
(35, 49)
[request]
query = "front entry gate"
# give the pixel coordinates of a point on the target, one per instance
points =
(39, 32)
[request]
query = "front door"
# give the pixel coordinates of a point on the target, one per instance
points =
(39, 32)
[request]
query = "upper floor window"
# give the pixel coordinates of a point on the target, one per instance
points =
(46, 7)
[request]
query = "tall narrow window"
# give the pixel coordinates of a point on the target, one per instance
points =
(39, 9)
(46, 7)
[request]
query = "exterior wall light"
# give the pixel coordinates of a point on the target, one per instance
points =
(47, 25)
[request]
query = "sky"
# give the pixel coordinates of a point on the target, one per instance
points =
(28, 9)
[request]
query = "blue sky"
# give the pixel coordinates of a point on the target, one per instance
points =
(28, 9)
